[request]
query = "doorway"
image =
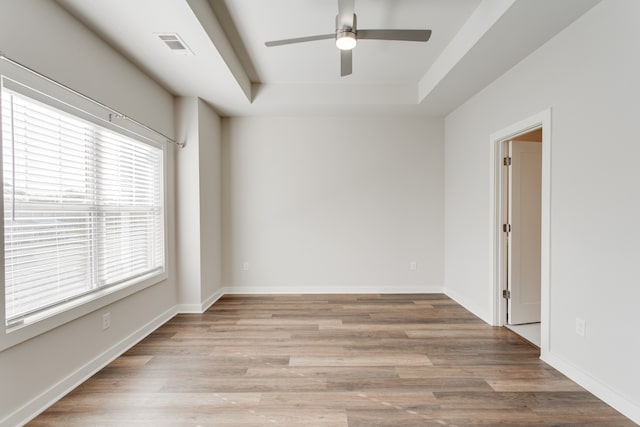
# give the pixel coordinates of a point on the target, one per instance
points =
(520, 202)
(522, 230)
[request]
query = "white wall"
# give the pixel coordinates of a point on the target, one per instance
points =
(588, 75)
(333, 205)
(41, 35)
(210, 130)
(198, 204)
(188, 202)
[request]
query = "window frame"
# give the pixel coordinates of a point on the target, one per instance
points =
(56, 96)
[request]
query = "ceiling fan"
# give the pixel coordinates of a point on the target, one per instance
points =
(347, 35)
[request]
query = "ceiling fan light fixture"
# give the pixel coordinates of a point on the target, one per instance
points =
(346, 40)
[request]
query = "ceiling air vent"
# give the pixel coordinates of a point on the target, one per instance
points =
(175, 43)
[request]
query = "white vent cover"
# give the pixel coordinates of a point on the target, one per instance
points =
(175, 43)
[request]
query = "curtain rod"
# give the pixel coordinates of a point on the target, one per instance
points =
(113, 113)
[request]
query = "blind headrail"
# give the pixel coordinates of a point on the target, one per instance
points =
(114, 114)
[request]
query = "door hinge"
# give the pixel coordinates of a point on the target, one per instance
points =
(506, 228)
(506, 294)
(506, 161)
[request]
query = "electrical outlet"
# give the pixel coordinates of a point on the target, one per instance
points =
(106, 321)
(245, 266)
(581, 326)
(413, 265)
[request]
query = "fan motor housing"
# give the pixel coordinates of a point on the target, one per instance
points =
(346, 28)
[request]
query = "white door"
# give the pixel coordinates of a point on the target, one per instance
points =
(524, 215)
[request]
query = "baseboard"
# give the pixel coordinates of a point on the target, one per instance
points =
(212, 299)
(189, 308)
(312, 290)
(602, 391)
(204, 306)
(472, 307)
(30, 410)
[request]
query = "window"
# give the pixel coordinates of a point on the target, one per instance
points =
(83, 207)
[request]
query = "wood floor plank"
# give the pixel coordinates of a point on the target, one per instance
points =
(330, 360)
(371, 359)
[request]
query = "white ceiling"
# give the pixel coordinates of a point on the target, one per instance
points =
(473, 42)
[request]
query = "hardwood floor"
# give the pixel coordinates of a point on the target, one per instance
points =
(330, 360)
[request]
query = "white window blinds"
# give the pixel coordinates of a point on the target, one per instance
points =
(83, 206)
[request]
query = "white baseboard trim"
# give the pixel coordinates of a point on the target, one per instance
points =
(466, 303)
(314, 290)
(602, 391)
(212, 299)
(200, 308)
(189, 308)
(39, 404)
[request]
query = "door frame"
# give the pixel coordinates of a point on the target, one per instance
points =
(497, 200)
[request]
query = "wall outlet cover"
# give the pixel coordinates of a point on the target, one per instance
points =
(581, 326)
(106, 321)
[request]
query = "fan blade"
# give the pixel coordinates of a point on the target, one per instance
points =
(300, 40)
(345, 13)
(346, 63)
(404, 35)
